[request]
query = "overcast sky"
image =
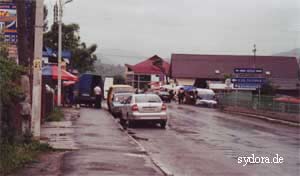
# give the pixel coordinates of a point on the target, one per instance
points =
(142, 28)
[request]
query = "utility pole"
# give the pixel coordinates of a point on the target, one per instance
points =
(37, 73)
(60, 4)
(254, 52)
(60, 9)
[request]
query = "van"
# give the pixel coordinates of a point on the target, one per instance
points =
(84, 89)
(120, 88)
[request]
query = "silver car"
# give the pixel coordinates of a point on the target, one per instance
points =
(116, 107)
(144, 107)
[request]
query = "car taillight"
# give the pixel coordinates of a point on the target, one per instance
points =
(163, 107)
(134, 107)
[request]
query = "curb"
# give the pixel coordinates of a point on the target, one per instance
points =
(143, 150)
(264, 118)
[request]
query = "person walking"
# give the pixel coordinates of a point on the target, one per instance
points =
(98, 93)
(180, 96)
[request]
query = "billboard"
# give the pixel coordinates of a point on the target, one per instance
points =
(8, 22)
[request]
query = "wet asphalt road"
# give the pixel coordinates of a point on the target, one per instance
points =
(202, 141)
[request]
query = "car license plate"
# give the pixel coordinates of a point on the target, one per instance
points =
(149, 109)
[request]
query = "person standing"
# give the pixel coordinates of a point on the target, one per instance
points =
(180, 96)
(98, 94)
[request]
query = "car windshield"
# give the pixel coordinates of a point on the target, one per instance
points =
(120, 98)
(147, 99)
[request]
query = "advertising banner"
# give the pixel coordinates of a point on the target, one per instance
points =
(8, 21)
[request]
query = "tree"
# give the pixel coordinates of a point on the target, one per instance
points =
(119, 79)
(268, 89)
(45, 18)
(83, 57)
(10, 92)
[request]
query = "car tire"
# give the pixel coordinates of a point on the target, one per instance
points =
(163, 124)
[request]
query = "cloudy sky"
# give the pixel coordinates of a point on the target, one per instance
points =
(135, 29)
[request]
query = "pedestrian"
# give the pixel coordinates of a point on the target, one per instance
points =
(180, 96)
(98, 94)
(171, 92)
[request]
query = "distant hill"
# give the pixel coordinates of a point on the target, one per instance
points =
(109, 69)
(292, 53)
(118, 56)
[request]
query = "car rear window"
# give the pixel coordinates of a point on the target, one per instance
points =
(147, 99)
(123, 89)
(120, 98)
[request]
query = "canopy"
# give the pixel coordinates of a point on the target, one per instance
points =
(51, 70)
(288, 100)
(69, 83)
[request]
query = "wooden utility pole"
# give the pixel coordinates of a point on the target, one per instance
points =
(37, 70)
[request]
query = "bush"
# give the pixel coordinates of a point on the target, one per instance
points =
(15, 156)
(55, 116)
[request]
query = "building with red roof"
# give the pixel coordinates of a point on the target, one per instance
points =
(190, 69)
(148, 72)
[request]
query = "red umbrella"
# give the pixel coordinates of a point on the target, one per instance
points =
(51, 70)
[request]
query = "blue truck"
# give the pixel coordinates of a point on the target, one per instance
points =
(84, 89)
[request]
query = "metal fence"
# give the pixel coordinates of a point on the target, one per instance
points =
(256, 102)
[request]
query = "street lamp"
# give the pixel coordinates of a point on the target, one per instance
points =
(254, 52)
(61, 3)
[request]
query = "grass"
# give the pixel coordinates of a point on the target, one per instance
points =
(14, 156)
(55, 116)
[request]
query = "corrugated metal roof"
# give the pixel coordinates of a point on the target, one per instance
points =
(147, 67)
(284, 70)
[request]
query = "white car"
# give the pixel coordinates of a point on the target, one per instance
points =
(206, 97)
(144, 107)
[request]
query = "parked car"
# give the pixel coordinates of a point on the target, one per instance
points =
(84, 89)
(120, 88)
(144, 107)
(117, 105)
(164, 96)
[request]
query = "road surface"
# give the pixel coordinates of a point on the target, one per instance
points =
(202, 141)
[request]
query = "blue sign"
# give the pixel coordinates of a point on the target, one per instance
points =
(248, 80)
(248, 70)
(247, 85)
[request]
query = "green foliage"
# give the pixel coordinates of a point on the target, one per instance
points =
(55, 116)
(83, 57)
(228, 76)
(268, 89)
(9, 75)
(70, 37)
(14, 156)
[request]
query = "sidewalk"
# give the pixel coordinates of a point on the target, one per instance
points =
(89, 144)
(104, 149)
